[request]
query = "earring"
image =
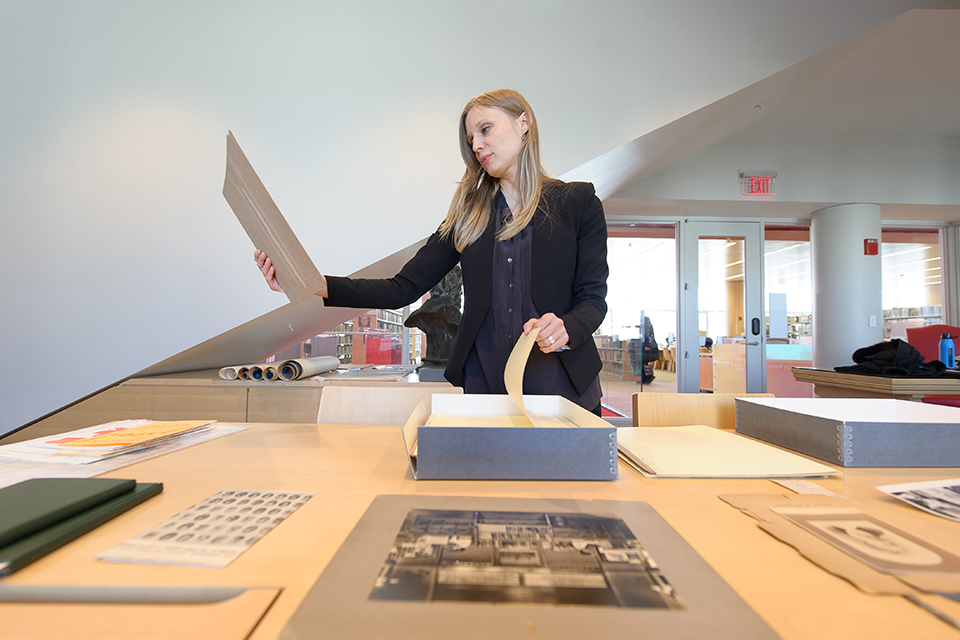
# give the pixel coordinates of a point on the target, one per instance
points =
(523, 138)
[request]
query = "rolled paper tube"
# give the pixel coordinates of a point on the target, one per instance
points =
(270, 373)
(228, 373)
(243, 373)
(256, 373)
(306, 367)
(289, 370)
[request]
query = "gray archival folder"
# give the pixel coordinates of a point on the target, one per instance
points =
(338, 606)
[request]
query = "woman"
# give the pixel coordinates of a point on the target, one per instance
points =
(533, 253)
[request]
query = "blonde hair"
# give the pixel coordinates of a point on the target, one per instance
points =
(470, 209)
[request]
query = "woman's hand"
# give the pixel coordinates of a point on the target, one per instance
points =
(266, 268)
(553, 334)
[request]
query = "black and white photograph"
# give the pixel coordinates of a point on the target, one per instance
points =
(521, 557)
(211, 533)
(939, 497)
(878, 544)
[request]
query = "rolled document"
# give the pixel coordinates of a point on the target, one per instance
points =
(228, 373)
(239, 372)
(306, 367)
(283, 371)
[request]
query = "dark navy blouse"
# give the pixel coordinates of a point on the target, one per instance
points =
(511, 306)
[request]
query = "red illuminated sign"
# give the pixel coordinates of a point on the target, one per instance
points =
(758, 185)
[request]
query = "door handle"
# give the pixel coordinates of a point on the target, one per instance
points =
(755, 326)
(753, 344)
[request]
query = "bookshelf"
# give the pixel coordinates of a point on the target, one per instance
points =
(911, 316)
(611, 354)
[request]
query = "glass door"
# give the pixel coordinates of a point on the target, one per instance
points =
(721, 320)
(637, 338)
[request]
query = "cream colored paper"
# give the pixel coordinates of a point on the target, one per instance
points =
(705, 452)
(231, 619)
(471, 420)
(267, 228)
(513, 372)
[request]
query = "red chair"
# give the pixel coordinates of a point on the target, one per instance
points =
(927, 341)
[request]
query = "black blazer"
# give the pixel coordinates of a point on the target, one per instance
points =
(569, 269)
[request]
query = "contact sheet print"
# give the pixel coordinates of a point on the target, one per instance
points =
(212, 533)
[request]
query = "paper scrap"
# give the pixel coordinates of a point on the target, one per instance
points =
(513, 372)
(804, 487)
(212, 533)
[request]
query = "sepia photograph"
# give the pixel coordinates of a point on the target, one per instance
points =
(874, 542)
(521, 557)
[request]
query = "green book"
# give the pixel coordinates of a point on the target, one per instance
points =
(19, 554)
(32, 505)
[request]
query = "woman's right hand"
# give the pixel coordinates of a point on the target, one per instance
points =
(266, 268)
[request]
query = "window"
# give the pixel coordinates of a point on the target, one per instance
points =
(789, 308)
(912, 279)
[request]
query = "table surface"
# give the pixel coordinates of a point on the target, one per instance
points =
(348, 465)
(856, 385)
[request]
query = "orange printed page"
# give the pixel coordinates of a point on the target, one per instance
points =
(142, 434)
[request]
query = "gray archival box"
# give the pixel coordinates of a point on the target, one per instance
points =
(856, 432)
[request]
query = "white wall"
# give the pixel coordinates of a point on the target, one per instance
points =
(818, 167)
(119, 249)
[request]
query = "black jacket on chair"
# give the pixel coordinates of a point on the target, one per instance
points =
(569, 271)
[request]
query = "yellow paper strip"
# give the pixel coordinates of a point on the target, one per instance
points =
(513, 373)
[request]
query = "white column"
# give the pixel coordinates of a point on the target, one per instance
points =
(847, 305)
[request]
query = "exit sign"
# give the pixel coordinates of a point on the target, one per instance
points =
(758, 184)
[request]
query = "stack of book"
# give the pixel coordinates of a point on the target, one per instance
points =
(105, 441)
(43, 514)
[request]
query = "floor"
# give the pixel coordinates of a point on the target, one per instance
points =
(618, 393)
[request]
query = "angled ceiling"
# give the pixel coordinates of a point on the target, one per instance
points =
(904, 78)
(898, 78)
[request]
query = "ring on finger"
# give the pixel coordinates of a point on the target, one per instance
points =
(551, 339)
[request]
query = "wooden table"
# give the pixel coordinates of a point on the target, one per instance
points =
(834, 384)
(184, 396)
(347, 465)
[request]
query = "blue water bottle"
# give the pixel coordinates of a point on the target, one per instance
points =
(946, 351)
